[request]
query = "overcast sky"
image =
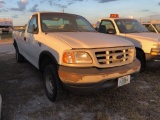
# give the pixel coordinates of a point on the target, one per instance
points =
(21, 10)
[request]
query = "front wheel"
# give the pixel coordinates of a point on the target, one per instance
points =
(53, 86)
(141, 57)
(19, 57)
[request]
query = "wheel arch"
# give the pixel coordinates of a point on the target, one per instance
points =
(15, 43)
(139, 49)
(142, 58)
(46, 58)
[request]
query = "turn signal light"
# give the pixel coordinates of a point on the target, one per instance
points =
(154, 53)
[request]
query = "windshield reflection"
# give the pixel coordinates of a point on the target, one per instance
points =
(62, 22)
(130, 26)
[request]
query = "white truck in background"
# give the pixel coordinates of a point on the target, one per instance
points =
(5, 25)
(73, 56)
(147, 43)
(21, 28)
(152, 26)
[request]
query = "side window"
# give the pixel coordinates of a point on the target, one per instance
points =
(106, 25)
(33, 23)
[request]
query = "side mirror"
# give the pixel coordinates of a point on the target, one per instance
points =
(34, 29)
(111, 31)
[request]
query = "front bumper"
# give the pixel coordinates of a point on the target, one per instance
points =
(93, 79)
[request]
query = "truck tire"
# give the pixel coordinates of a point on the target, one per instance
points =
(141, 57)
(19, 57)
(53, 86)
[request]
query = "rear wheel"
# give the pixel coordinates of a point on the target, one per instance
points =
(141, 56)
(19, 57)
(53, 86)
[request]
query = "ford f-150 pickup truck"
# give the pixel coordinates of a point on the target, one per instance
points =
(73, 56)
(147, 43)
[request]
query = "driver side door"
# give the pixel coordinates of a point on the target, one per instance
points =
(31, 38)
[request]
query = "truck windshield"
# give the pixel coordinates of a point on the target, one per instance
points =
(157, 26)
(130, 26)
(63, 22)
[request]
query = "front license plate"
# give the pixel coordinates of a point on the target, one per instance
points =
(124, 80)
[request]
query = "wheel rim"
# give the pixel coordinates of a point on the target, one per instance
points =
(49, 84)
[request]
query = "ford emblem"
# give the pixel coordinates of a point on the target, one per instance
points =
(119, 56)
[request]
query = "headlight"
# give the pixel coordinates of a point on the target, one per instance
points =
(72, 57)
(155, 50)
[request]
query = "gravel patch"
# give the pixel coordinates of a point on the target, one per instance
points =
(22, 90)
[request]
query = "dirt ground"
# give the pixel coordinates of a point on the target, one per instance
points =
(22, 90)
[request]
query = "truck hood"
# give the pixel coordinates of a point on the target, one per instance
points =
(146, 36)
(90, 39)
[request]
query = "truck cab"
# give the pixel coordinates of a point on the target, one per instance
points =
(5, 25)
(147, 43)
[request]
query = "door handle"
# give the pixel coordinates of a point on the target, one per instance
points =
(24, 38)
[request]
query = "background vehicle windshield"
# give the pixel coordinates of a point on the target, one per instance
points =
(157, 26)
(130, 26)
(53, 22)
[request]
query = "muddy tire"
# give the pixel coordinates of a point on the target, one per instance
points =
(141, 57)
(53, 87)
(19, 57)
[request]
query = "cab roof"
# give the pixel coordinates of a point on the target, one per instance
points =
(111, 18)
(52, 12)
(151, 23)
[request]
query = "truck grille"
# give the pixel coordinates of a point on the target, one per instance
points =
(115, 56)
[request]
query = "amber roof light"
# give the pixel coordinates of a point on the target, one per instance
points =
(114, 16)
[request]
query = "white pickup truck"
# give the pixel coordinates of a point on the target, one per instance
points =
(73, 55)
(147, 43)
